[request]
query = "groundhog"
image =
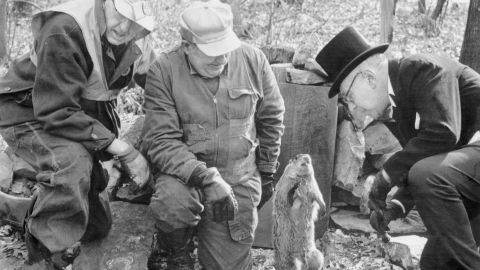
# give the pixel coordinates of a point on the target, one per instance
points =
(297, 203)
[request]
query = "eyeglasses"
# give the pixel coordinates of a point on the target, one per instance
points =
(344, 99)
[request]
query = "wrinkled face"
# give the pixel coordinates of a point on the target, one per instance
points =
(364, 92)
(207, 66)
(120, 30)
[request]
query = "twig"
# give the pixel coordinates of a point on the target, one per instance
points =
(270, 23)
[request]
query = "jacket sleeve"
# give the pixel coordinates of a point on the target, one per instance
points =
(269, 119)
(162, 134)
(435, 94)
(62, 67)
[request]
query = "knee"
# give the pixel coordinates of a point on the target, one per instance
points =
(175, 203)
(425, 175)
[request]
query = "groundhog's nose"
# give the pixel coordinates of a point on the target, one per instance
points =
(303, 158)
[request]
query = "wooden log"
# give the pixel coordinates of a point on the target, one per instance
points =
(299, 76)
(314, 67)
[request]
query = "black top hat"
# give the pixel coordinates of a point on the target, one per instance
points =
(343, 53)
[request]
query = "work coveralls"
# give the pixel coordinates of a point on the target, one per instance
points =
(235, 127)
(57, 113)
(436, 114)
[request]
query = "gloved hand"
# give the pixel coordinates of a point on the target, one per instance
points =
(218, 193)
(135, 165)
(380, 188)
(267, 188)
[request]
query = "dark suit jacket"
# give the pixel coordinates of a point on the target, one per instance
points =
(443, 96)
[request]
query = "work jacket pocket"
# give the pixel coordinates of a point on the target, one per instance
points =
(195, 136)
(241, 103)
(243, 226)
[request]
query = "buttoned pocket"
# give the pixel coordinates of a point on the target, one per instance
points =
(242, 102)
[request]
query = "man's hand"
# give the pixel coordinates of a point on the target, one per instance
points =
(135, 165)
(267, 188)
(218, 193)
(380, 187)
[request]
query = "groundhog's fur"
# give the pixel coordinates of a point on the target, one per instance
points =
(297, 202)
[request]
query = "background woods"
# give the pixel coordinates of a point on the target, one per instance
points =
(445, 27)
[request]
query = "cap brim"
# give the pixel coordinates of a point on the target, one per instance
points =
(334, 90)
(126, 11)
(223, 46)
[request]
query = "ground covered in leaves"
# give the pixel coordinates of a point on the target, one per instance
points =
(308, 27)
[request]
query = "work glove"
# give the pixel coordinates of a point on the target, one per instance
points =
(135, 166)
(267, 188)
(380, 188)
(381, 217)
(218, 193)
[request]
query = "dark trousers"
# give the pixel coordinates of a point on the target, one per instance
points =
(446, 191)
(67, 205)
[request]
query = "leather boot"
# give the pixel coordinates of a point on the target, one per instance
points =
(175, 246)
(13, 210)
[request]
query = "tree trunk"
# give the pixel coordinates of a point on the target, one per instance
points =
(422, 8)
(3, 30)
(470, 53)
(438, 9)
(387, 15)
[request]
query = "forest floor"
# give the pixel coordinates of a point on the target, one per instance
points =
(309, 27)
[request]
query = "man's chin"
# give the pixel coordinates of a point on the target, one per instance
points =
(115, 40)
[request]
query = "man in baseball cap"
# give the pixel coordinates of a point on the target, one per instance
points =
(215, 117)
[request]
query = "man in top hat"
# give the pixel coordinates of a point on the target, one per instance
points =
(432, 105)
(57, 113)
(215, 120)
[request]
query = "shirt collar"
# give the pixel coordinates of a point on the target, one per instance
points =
(391, 94)
(100, 15)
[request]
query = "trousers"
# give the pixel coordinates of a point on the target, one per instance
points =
(68, 204)
(446, 191)
(222, 245)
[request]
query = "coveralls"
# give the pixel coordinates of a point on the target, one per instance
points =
(57, 113)
(233, 122)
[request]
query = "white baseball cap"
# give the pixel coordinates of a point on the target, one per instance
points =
(138, 11)
(210, 26)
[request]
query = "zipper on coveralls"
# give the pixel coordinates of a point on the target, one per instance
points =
(216, 142)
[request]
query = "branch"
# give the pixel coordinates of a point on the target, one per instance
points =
(26, 2)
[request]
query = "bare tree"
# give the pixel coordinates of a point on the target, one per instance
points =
(3, 30)
(387, 16)
(470, 53)
(438, 9)
(422, 8)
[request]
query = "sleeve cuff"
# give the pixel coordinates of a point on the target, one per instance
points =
(268, 167)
